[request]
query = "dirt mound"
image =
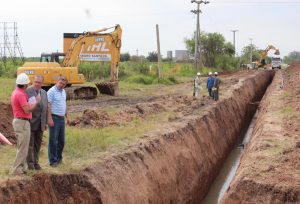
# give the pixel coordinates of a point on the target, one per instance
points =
(71, 189)
(6, 118)
(100, 119)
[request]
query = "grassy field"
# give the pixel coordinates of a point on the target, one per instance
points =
(86, 146)
(7, 85)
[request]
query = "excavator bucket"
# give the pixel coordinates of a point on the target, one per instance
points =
(83, 92)
(277, 52)
(108, 88)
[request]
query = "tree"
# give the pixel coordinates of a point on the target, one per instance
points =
(246, 52)
(125, 57)
(292, 57)
(152, 56)
(213, 45)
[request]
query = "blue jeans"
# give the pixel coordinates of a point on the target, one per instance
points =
(56, 139)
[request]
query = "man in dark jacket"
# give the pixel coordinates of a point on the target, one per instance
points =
(210, 84)
(216, 86)
(37, 123)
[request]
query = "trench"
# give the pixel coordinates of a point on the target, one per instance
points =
(229, 168)
(175, 164)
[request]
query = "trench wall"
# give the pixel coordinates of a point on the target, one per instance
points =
(253, 182)
(176, 164)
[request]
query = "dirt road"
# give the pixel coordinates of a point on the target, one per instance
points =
(175, 98)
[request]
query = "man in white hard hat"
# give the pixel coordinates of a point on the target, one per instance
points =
(216, 86)
(210, 84)
(22, 112)
(197, 83)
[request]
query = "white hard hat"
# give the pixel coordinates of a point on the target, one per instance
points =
(22, 79)
(198, 74)
(210, 73)
(216, 73)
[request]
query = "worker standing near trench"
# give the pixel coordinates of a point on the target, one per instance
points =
(210, 84)
(57, 112)
(197, 83)
(22, 112)
(216, 86)
(37, 123)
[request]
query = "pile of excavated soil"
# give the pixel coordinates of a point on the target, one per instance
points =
(100, 119)
(181, 105)
(270, 167)
(170, 95)
(6, 118)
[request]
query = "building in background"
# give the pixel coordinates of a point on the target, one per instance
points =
(169, 55)
(181, 55)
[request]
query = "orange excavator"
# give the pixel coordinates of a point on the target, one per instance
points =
(90, 46)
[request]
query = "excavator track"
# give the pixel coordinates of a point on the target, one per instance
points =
(108, 88)
(81, 92)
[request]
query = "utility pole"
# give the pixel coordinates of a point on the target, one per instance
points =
(234, 31)
(197, 57)
(250, 50)
(158, 53)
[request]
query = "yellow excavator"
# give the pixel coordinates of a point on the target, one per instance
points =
(263, 55)
(90, 46)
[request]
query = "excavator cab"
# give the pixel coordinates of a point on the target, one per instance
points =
(277, 52)
(53, 57)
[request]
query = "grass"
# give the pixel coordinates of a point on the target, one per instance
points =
(85, 146)
(288, 112)
(276, 147)
(7, 86)
(287, 94)
(267, 157)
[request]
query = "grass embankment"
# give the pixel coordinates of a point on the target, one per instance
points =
(7, 85)
(85, 146)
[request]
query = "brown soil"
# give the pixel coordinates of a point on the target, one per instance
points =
(164, 94)
(175, 164)
(6, 118)
(100, 119)
(178, 101)
(270, 167)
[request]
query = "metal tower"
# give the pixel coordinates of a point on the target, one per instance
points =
(8, 33)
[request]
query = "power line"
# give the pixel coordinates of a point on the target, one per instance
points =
(257, 2)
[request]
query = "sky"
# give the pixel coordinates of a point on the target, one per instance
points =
(41, 24)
